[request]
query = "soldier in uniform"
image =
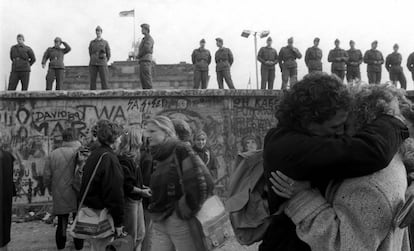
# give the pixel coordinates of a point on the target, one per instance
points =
(393, 66)
(268, 57)
(288, 65)
(338, 57)
(201, 59)
(410, 64)
(146, 48)
(224, 60)
(56, 69)
(22, 58)
(353, 72)
(374, 59)
(313, 57)
(100, 53)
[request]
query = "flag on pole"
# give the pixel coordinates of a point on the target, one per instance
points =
(127, 13)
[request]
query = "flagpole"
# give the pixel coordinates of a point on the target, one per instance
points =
(134, 27)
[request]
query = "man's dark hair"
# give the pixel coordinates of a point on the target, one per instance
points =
(69, 134)
(316, 98)
(108, 132)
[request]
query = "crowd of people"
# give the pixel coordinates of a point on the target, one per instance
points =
(338, 167)
(343, 63)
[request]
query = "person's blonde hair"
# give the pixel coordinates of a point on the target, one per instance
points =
(165, 124)
(131, 142)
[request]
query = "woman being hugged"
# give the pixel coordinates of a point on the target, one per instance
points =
(180, 183)
(106, 189)
(134, 189)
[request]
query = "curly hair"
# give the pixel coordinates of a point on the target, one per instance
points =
(107, 131)
(315, 99)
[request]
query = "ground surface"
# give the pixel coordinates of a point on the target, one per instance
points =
(38, 236)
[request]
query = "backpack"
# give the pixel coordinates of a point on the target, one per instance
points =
(247, 204)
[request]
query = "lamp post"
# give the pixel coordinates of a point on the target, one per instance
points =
(262, 34)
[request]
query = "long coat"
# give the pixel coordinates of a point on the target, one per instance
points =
(59, 171)
(6, 194)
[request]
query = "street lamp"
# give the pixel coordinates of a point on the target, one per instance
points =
(262, 34)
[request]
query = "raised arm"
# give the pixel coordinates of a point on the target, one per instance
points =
(67, 47)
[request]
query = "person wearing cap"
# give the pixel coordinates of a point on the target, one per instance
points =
(338, 57)
(268, 57)
(313, 57)
(374, 59)
(22, 57)
(146, 48)
(56, 69)
(201, 59)
(410, 64)
(99, 53)
(288, 65)
(224, 59)
(353, 72)
(393, 66)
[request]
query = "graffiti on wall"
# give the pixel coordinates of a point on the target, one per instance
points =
(32, 129)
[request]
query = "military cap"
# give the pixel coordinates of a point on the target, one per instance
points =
(145, 26)
(98, 28)
(375, 42)
(20, 35)
(203, 41)
(351, 41)
(316, 39)
(219, 39)
(396, 46)
(58, 39)
(337, 41)
(269, 39)
(290, 40)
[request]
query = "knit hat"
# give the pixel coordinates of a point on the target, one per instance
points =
(200, 133)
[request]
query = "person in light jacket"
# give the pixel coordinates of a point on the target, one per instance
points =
(59, 170)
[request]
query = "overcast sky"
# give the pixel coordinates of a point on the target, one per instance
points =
(178, 25)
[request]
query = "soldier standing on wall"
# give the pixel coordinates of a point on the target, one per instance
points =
(393, 66)
(22, 58)
(224, 60)
(99, 53)
(201, 59)
(410, 64)
(353, 72)
(56, 70)
(374, 59)
(268, 57)
(146, 48)
(338, 57)
(288, 65)
(313, 57)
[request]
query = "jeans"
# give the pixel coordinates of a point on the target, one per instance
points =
(53, 74)
(172, 234)
(60, 236)
(134, 220)
(15, 77)
(147, 242)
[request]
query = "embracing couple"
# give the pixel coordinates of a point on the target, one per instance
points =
(338, 165)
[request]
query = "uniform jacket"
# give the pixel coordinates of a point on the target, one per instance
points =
(374, 59)
(201, 59)
(55, 55)
(146, 48)
(106, 190)
(313, 58)
(357, 213)
(99, 52)
(224, 59)
(267, 54)
(393, 62)
(22, 57)
(288, 56)
(338, 57)
(410, 62)
(59, 170)
(354, 58)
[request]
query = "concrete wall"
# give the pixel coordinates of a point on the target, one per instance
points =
(31, 123)
(125, 75)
